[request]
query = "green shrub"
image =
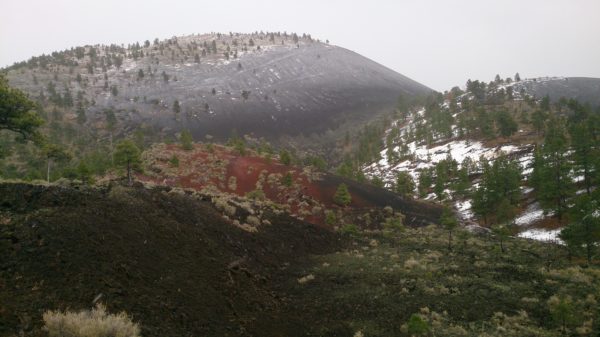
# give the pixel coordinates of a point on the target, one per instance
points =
(330, 218)
(417, 326)
(174, 161)
(287, 180)
(257, 194)
(350, 229)
(394, 223)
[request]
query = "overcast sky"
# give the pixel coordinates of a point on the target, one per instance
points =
(438, 43)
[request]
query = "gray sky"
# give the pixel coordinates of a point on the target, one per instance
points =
(438, 43)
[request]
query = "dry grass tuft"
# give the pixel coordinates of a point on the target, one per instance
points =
(90, 323)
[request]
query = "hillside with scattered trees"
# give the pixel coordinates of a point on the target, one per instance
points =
(499, 155)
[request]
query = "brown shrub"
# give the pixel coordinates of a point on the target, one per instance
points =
(89, 323)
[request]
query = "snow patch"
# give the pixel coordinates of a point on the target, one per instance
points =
(541, 235)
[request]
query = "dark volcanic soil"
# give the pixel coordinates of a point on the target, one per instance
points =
(169, 260)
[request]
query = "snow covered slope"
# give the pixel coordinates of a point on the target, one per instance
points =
(418, 156)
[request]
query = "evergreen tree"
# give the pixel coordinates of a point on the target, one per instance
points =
(425, 181)
(186, 140)
(584, 231)
(285, 157)
(81, 117)
(555, 184)
(128, 156)
(545, 103)
(449, 222)
(287, 180)
(506, 124)
(585, 150)
(405, 184)
(176, 107)
(462, 183)
(377, 181)
(342, 196)
(84, 172)
(67, 100)
(498, 189)
(17, 112)
(54, 153)
(502, 232)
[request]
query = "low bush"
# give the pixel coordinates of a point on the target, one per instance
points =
(89, 323)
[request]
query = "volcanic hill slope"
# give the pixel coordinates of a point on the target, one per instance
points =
(308, 193)
(268, 85)
(180, 268)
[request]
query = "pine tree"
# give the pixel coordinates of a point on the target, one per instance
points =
(425, 181)
(176, 107)
(449, 222)
(498, 190)
(128, 156)
(555, 183)
(584, 231)
(405, 185)
(502, 232)
(342, 196)
(17, 112)
(84, 172)
(584, 150)
(186, 140)
(284, 157)
(287, 180)
(506, 124)
(54, 153)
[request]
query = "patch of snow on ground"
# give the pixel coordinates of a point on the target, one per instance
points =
(526, 190)
(531, 214)
(464, 209)
(509, 149)
(541, 235)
